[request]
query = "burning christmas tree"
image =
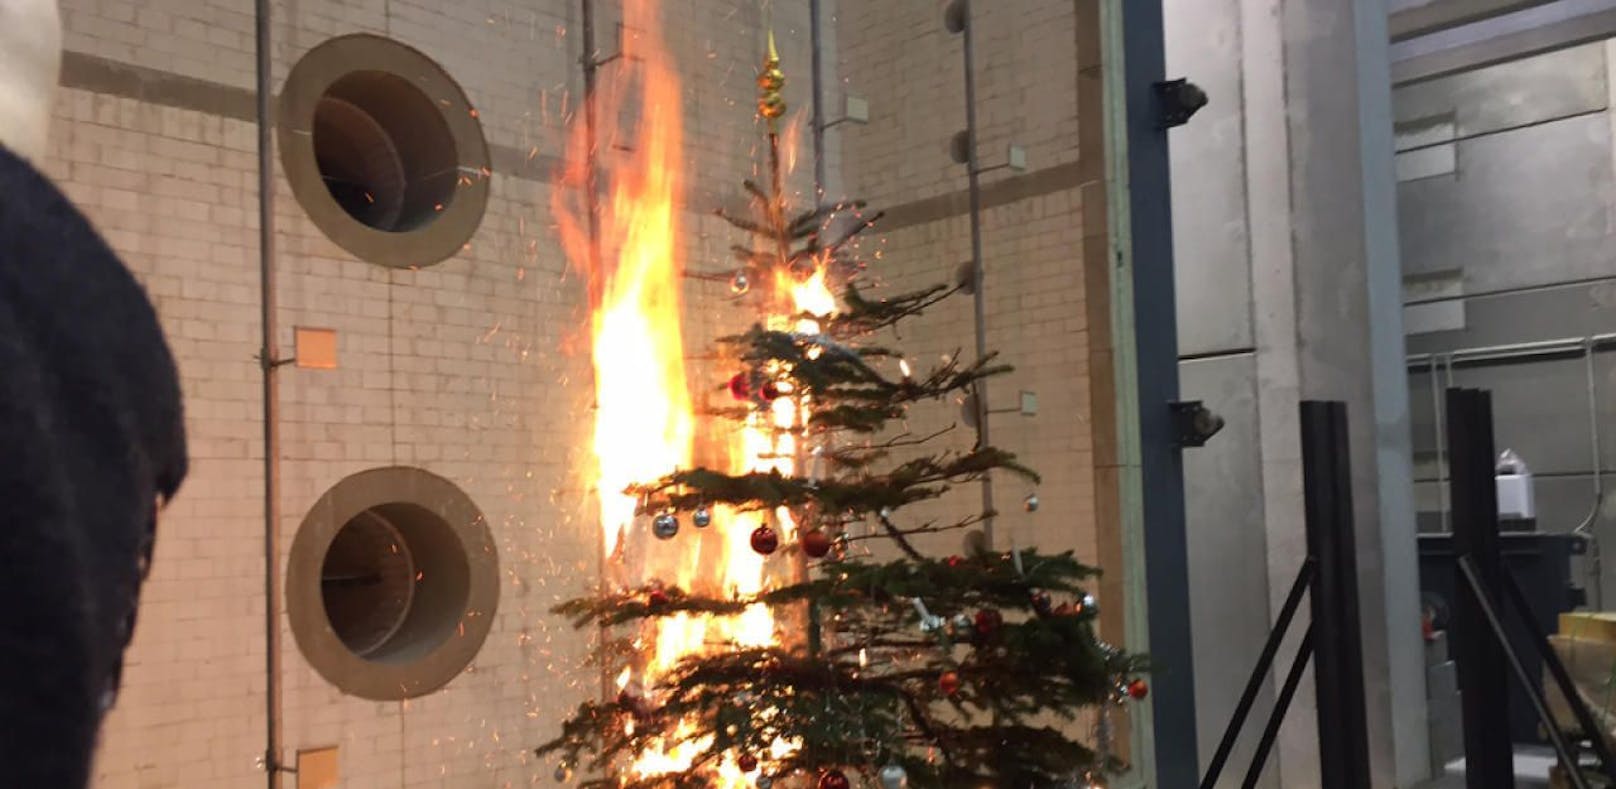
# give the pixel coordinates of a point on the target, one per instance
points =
(827, 667)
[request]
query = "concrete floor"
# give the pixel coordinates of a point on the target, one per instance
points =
(1531, 771)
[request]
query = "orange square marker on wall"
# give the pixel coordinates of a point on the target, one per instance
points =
(316, 348)
(317, 769)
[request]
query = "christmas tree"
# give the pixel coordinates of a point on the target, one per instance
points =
(954, 671)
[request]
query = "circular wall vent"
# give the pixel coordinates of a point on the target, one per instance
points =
(392, 583)
(383, 150)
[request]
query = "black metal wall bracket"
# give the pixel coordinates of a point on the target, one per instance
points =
(1177, 101)
(1193, 423)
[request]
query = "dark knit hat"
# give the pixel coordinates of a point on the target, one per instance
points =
(92, 437)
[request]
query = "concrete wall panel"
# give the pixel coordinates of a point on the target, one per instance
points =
(1227, 540)
(1210, 230)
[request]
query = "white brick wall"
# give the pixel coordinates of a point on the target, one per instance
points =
(473, 368)
(900, 57)
(463, 369)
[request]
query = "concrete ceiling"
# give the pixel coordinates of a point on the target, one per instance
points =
(1433, 38)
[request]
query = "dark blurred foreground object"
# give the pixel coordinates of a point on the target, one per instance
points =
(93, 444)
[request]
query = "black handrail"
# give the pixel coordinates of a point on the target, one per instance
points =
(1331, 641)
(1482, 648)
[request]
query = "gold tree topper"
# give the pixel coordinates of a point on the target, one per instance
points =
(770, 81)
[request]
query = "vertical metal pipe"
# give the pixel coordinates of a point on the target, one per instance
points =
(269, 363)
(1441, 447)
(1585, 528)
(591, 183)
(978, 273)
(818, 81)
(591, 64)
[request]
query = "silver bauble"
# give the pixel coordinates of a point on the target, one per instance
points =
(739, 284)
(664, 526)
(893, 776)
(563, 773)
(1032, 502)
(702, 517)
(1090, 604)
(765, 782)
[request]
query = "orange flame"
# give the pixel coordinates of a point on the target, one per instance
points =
(644, 422)
(643, 426)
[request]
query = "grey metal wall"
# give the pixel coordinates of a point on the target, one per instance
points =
(1507, 208)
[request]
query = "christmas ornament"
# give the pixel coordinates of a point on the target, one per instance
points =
(893, 776)
(657, 598)
(563, 773)
(962, 625)
(664, 526)
(834, 779)
(1088, 603)
(765, 782)
(816, 544)
(770, 391)
(1138, 690)
(1064, 609)
(954, 561)
(1042, 602)
(988, 622)
(1031, 503)
(702, 517)
(949, 683)
(740, 386)
(765, 540)
(770, 104)
(739, 284)
(747, 762)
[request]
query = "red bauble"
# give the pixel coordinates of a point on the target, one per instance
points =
(1064, 609)
(747, 762)
(949, 683)
(740, 386)
(834, 779)
(769, 391)
(657, 598)
(765, 540)
(988, 622)
(1138, 689)
(955, 561)
(816, 544)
